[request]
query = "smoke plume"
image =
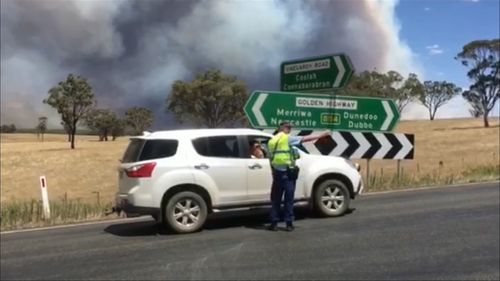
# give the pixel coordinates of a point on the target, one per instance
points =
(132, 51)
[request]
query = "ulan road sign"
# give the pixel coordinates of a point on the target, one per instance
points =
(316, 74)
(266, 110)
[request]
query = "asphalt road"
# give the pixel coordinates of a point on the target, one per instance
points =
(445, 233)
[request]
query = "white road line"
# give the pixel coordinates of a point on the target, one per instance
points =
(429, 187)
(75, 224)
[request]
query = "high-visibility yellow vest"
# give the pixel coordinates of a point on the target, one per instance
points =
(280, 149)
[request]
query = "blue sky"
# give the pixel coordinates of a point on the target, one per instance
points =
(436, 30)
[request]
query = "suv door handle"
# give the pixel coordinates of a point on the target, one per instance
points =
(202, 166)
(255, 166)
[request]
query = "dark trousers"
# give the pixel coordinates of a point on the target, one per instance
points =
(281, 184)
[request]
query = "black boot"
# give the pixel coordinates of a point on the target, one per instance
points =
(273, 227)
(289, 226)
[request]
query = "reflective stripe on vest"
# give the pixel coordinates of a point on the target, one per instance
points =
(280, 149)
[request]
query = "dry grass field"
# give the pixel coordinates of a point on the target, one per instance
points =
(76, 174)
(445, 147)
(459, 144)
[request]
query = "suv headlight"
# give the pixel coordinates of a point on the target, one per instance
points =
(352, 164)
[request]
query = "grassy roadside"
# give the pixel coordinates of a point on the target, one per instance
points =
(29, 214)
(482, 173)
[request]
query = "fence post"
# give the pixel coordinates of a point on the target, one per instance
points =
(38, 212)
(441, 163)
(398, 170)
(367, 173)
(45, 197)
(32, 210)
(98, 197)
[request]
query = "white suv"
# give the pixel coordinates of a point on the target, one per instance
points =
(181, 176)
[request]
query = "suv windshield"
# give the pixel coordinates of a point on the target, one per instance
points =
(141, 150)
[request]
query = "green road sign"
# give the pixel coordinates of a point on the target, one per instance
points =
(266, 110)
(316, 74)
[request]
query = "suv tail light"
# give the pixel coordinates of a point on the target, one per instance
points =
(141, 171)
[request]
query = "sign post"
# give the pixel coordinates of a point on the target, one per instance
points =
(266, 110)
(316, 74)
(45, 197)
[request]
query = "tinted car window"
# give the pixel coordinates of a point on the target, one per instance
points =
(220, 146)
(154, 149)
(133, 150)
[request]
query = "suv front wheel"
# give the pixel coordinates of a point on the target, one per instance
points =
(331, 198)
(186, 212)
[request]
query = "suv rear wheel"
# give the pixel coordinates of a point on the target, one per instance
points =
(331, 198)
(186, 212)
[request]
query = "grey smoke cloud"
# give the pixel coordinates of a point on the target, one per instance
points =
(132, 51)
(66, 31)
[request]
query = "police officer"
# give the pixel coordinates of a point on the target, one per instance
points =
(285, 172)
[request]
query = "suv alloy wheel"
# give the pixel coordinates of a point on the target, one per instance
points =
(331, 198)
(185, 212)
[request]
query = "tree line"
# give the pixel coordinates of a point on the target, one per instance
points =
(431, 94)
(75, 102)
(214, 99)
(8, 128)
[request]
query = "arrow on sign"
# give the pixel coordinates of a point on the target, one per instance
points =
(375, 145)
(364, 145)
(342, 144)
(340, 75)
(256, 110)
(310, 146)
(396, 146)
(407, 146)
(357, 145)
(316, 73)
(385, 146)
(389, 117)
